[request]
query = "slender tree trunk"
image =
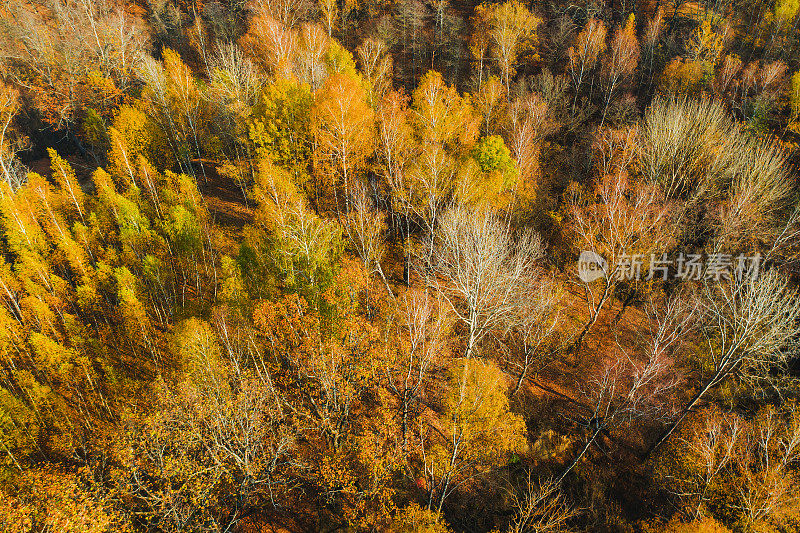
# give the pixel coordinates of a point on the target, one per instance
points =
(593, 318)
(472, 336)
(405, 419)
(520, 379)
(684, 412)
(608, 101)
(407, 251)
(574, 463)
(385, 281)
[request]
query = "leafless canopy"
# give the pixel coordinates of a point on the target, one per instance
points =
(482, 270)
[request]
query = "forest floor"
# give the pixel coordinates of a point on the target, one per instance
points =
(226, 201)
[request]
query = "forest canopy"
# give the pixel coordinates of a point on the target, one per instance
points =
(403, 266)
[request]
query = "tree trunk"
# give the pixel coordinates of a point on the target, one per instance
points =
(521, 377)
(580, 455)
(595, 314)
(685, 411)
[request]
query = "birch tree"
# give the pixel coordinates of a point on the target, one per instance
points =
(584, 54)
(626, 221)
(481, 269)
(343, 126)
(749, 322)
(621, 61)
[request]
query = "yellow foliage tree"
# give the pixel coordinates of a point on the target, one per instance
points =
(475, 431)
(343, 127)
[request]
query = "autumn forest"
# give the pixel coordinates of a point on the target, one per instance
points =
(435, 266)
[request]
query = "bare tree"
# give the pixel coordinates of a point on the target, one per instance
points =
(482, 271)
(541, 508)
(710, 448)
(760, 190)
(365, 227)
(624, 226)
(771, 452)
(48, 48)
(681, 145)
(633, 385)
(786, 238)
(421, 339)
(751, 461)
(749, 322)
(532, 331)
